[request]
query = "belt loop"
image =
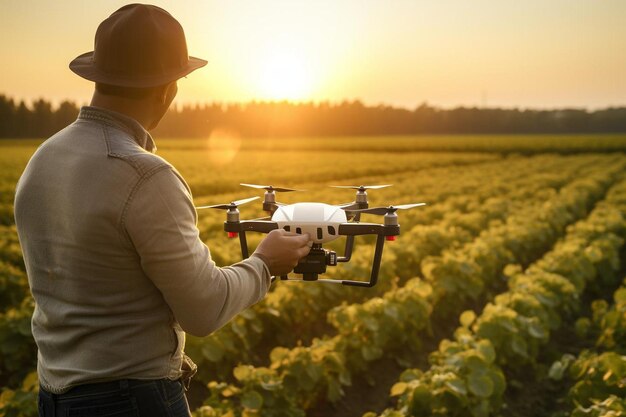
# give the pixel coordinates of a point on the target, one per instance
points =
(124, 388)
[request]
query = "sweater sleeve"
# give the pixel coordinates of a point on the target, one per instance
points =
(161, 220)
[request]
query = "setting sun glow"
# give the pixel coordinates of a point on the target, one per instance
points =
(403, 53)
(284, 75)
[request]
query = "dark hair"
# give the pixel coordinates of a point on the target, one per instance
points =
(125, 92)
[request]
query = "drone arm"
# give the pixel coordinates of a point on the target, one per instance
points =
(261, 226)
(357, 229)
(352, 206)
(271, 207)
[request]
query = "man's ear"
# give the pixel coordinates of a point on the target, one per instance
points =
(168, 93)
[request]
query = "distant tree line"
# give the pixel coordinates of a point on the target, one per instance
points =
(38, 120)
(42, 119)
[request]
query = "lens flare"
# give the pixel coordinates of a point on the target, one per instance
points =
(223, 146)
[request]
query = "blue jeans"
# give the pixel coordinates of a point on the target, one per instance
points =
(122, 398)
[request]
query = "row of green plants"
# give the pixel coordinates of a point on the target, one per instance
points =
(290, 314)
(13, 285)
(445, 189)
(300, 377)
(19, 352)
(223, 186)
(331, 167)
(467, 374)
(480, 263)
(597, 376)
(449, 183)
(17, 349)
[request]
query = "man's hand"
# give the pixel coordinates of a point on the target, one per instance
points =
(282, 250)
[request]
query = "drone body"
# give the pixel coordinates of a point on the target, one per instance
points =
(323, 223)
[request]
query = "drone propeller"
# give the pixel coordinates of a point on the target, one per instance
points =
(232, 205)
(270, 188)
(362, 187)
(386, 210)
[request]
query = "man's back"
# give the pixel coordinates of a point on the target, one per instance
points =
(97, 312)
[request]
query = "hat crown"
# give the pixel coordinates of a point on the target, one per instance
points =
(140, 40)
(138, 46)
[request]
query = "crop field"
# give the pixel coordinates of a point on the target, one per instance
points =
(503, 296)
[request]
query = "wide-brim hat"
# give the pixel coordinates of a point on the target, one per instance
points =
(139, 46)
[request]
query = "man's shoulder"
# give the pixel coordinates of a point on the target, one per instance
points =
(144, 162)
(86, 139)
(121, 145)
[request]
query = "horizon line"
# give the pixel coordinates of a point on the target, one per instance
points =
(225, 103)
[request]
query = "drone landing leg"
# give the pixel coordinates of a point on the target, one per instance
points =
(244, 244)
(378, 255)
(347, 254)
(348, 251)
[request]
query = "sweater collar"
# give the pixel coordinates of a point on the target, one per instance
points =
(120, 121)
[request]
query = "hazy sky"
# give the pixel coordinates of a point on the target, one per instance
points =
(525, 53)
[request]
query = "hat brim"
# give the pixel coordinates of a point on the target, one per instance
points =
(83, 66)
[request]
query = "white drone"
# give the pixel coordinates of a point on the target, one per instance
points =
(323, 222)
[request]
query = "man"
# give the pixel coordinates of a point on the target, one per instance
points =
(109, 236)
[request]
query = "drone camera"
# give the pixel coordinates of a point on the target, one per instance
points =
(315, 262)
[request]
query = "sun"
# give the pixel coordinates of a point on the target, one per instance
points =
(284, 75)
